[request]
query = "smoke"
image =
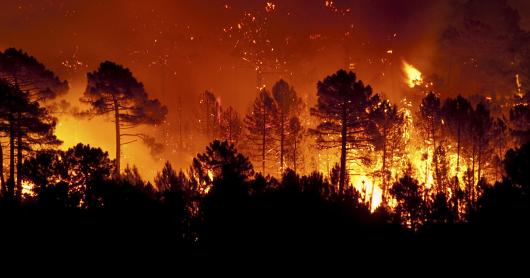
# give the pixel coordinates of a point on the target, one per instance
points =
(156, 148)
(178, 49)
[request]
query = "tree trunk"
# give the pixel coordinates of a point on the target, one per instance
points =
(473, 178)
(282, 139)
(433, 131)
(230, 126)
(383, 168)
(2, 180)
(18, 191)
(294, 155)
(264, 130)
(343, 149)
(479, 158)
(458, 150)
(118, 137)
(11, 180)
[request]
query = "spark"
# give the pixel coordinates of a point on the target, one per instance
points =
(270, 7)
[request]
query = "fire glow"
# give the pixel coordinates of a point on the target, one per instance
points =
(413, 77)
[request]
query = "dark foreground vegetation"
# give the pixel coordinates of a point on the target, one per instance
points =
(221, 207)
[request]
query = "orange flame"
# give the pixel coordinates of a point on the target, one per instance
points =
(413, 77)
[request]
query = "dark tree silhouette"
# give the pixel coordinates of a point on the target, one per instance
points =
(259, 123)
(112, 88)
(31, 78)
(389, 138)
(25, 72)
(209, 115)
(76, 175)
(410, 204)
(27, 124)
(296, 133)
(481, 151)
(430, 122)
(222, 161)
(343, 109)
(288, 105)
(231, 126)
(177, 195)
(519, 117)
(457, 115)
(501, 141)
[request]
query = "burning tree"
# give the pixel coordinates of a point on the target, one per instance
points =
(231, 125)
(389, 138)
(410, 205)
(27, 124)
(259, 123)
(480, 152)
(69, 178)
(456, 114)
(114, 89)
(343, 109)
(222, 162)
(32, 82)
(295, 136)
(288, 107)
(430, 123)
(209, 115)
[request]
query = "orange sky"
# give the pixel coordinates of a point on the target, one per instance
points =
(178, 49)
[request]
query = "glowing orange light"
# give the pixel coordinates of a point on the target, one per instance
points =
(413, 77)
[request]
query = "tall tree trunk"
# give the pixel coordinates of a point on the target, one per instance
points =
(479, 158)
(18, 191)
(263, 142)
(343, 148)
(433, 131)
(230, 126)
(473, 177)
(11, 180)
(282, 139)
(118, 137)
(2, 180)
(294, 155)
(458, 150)
(384, 167)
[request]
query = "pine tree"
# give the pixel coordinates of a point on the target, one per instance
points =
(27, 124)
(259, 123)
(456, 115)
(29, 77)
(113, 89)
(389, 138)
(295, 136)
(231, 126)
(209, 115)
(288, 105)
(343, 108)
(430, 122)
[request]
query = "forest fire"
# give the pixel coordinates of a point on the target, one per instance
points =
(380, 121)
(413, 76)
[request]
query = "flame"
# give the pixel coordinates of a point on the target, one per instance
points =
(518, 85)
(413, 77)
(27, 188)
(210, 174)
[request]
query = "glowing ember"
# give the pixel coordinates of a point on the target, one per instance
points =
(413, 76)
(269, 7)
